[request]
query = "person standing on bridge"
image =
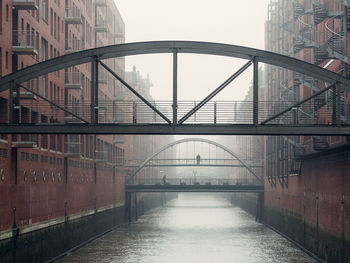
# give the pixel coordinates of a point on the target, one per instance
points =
(198, 159)
(164, 179)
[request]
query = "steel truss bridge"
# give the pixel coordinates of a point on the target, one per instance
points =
(248, 183)
(254, 117)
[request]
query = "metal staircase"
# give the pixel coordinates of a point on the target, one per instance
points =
(335, 39)
(320, 12)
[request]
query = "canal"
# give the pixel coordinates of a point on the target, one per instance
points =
(192, 228)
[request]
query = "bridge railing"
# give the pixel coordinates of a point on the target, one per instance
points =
(320, 110)
(191, 181)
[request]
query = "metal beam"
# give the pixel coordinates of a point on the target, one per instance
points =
(157, 47)
(53, 104)
(135, 92)
(298, 104)
(175, 87)
(256, 92)
(197, 165)
(94, 91)
(184, 129)
(337, 104)
(215, 92)
(194, 188)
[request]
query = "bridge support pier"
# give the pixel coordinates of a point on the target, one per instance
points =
(135, 206)
(128, 206)
(260, 207)
(162, 196)
(131, 206)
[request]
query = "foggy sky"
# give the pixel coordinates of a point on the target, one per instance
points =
(224, 21)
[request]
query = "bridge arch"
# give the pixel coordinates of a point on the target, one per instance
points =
(146, 161)
(154, 47)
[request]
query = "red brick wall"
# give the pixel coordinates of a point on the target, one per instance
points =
(322, 186)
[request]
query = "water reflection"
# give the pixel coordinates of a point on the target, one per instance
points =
(193, 228)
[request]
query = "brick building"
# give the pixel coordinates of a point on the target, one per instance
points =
(48, 177)
(306, 182)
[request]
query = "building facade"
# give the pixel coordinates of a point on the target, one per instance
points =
(306, 182)
(49, 178)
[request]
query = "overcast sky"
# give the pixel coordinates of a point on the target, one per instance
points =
(225, 21)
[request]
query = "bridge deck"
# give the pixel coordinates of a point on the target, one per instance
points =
(193, 188)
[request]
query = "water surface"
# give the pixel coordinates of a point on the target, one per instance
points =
(193, 228)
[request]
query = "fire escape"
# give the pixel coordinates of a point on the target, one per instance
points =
(299, 34)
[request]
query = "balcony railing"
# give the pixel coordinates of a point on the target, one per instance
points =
(26, 4)
(101, 26)
(72, 149)
(24, 42)
(73, 16)
(100, 2)
(73, 80)
(101, 156)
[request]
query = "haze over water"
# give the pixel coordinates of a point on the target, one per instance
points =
(193, 228)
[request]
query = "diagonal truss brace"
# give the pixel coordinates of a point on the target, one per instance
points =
(52, 103)
(216, 91)
(298, 104)
(135, 92)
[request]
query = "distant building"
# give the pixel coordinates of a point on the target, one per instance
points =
(141, 147)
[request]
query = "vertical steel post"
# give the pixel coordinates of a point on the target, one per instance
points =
(94, 92)
(128, 206)
(215, 113)
(11, 103)
(256, 92)
(338, 108)
(134, 112)
(336, 105)
(175, 87)
(17, 104)
(94, 109)
(135, 207)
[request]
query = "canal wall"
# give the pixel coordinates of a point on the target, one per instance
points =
(59, 236)
(314, 210)
(50, 240)
(246, 201)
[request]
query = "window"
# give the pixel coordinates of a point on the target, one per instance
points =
(7, 60)
(0, 18)
(50, 90)
(44, 7)
(58, 28)
(54, 25)
(59, 143)
(43, 82)
(43, 49)
(7, 13)
(44, 137)
(53, 142)
(51, 21)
